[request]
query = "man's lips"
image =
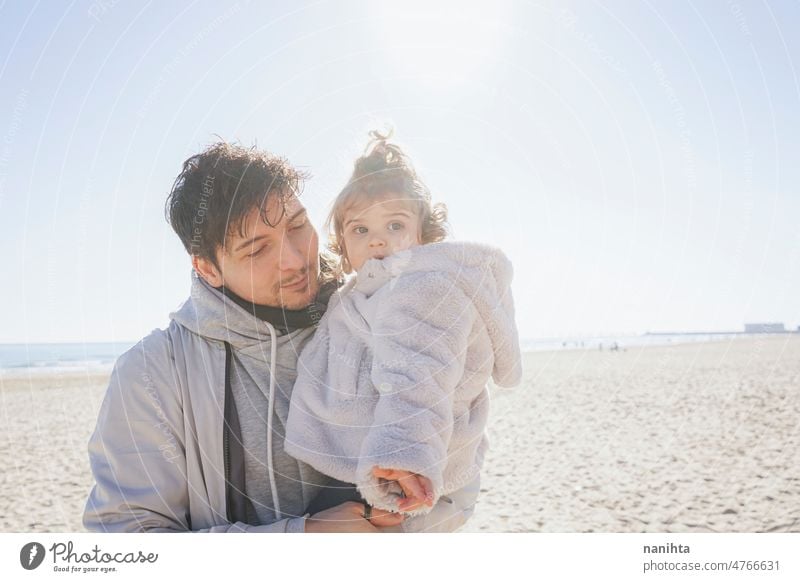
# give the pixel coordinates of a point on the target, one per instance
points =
(299, 284)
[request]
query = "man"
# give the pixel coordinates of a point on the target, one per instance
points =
(190, 433)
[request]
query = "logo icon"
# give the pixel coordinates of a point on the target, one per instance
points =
(31, 555)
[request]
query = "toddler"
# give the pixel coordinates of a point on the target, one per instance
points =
(391, 393)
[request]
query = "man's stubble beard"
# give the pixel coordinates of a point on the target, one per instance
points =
(283, 299)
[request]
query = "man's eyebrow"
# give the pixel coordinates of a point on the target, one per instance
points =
(296, 214)
(255, 239)
(249, 242)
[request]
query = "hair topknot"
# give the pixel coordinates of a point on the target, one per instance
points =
(380, 154)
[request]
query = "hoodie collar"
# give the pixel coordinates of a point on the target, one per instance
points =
(209, 313)
(287, 320)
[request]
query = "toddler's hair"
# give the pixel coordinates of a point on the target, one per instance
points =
(385, 169)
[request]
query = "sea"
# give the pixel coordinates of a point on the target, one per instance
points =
(45, 358)
(48, 358)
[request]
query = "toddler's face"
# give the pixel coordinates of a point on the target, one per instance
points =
(379, 228)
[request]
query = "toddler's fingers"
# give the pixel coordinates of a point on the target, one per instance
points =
(408, 504)
(381, 473)
(412, 487)
(428, 487)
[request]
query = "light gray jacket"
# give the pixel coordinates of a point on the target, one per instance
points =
(396, 374)
(157, 451)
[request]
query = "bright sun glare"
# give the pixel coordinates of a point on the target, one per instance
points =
(442, 43)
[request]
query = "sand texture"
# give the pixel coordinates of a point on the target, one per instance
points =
(697, 437)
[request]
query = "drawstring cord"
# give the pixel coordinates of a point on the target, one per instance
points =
(271, 412)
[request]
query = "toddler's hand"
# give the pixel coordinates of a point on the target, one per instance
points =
(418, 490)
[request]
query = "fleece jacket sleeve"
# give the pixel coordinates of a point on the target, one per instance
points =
(420, 336)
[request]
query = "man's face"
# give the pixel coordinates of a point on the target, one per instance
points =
(277, 266)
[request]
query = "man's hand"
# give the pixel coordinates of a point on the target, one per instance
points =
(418, 490)
(349, 518)
(381, 518)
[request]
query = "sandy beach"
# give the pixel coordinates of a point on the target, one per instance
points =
(47, 420)
(696, 437)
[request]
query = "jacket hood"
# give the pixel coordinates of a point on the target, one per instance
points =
(212, 315)
(483, 274)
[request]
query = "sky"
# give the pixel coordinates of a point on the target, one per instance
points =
(637, 161)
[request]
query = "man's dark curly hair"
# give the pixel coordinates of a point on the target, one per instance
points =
(218, 187)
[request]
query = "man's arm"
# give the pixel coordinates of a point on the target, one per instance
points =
(138, 458)
(137, 452)
(349, 518)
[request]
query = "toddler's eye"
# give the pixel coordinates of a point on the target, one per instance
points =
(396, 226)
(360, 230)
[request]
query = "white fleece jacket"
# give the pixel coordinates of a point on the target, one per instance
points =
(396, 374)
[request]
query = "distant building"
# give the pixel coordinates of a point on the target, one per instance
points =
(764, 328)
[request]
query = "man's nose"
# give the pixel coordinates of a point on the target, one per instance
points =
(291, 257)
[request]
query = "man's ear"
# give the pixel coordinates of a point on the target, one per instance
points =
(207, 270)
